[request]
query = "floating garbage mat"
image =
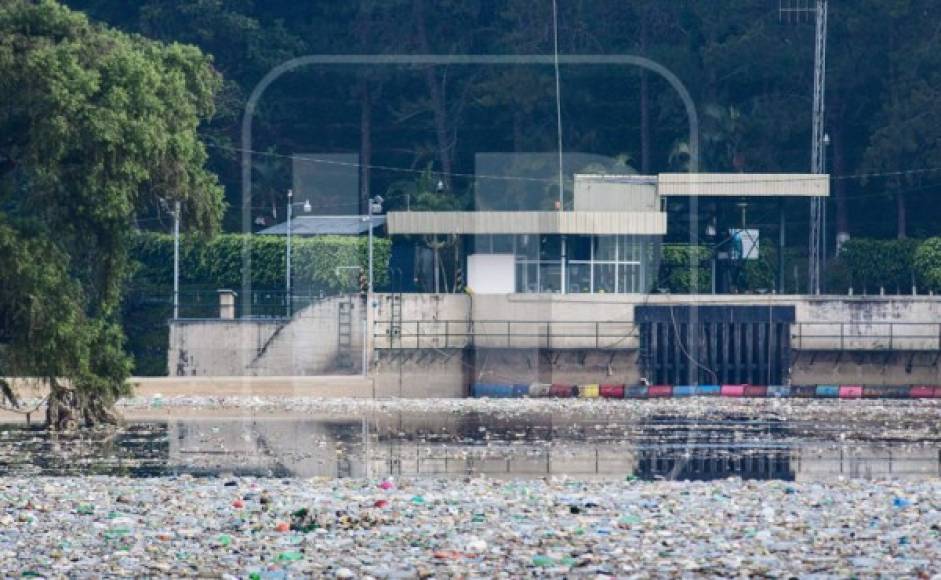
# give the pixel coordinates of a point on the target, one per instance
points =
(402, 528)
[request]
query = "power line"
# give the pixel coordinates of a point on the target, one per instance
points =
(699, 179)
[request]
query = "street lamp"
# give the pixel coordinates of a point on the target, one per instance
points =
(289, 299)
(373, 206)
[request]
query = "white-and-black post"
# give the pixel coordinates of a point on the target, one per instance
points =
(287, 272)
(176, 261)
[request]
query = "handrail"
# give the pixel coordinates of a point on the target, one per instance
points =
(451, 333)
(606, 335)
(867, 335)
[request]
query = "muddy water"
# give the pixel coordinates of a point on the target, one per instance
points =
(448, 445)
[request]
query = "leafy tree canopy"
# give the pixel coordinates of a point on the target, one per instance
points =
(95, 124)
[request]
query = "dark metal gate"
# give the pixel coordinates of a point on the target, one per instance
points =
(715, 344)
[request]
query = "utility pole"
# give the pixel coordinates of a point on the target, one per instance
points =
(818, 206)
(794, 11)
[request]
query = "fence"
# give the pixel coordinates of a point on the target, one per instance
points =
(600, 335)
(505, 334)
(903, 336)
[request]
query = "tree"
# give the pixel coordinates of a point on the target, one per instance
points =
(96, 125)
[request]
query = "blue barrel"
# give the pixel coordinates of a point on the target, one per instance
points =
(708, 390)
(684, 390)
(492, 391)
(828, 391)
(779, 391)
(520, 391)
(635, 392)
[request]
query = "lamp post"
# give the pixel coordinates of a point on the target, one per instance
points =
(289, 299)
(374, 206)
(176, 261)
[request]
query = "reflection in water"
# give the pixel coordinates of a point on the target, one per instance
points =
(530, 446)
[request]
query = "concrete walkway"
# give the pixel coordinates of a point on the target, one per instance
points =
(345, 386)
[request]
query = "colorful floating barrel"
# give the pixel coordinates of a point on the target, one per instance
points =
(804, 391)
(684, 390)
(779, 391)
(732, 390)
(851, 391)
(635, 392)
(708, 390)
(611, 391)
(588, 391)
(659, 391)
(520, 391)
(492, 391)
(539, 390)
(756, 391)
(828, 391)
(922, 392)
(563, 391)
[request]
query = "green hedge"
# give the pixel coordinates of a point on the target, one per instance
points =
(218, 262)
(873, 264)
(675, 274)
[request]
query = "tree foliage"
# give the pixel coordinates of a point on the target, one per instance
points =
(96, 124)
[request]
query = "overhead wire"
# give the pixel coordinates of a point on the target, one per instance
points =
(714, 178)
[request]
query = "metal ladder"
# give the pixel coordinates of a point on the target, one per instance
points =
(395, 314)
(345, 334)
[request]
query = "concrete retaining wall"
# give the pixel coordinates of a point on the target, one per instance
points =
(416, 343)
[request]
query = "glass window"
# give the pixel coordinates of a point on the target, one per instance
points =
(527, 277)
(629, 278)
(578, 247)
(604, 278)
(527, 246)
(550, 277)
(605, 248)
(579, 277)
(502, 244)
(550, 247)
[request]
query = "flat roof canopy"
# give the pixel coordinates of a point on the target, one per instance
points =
(744, 184)
(308, 225)
(527, 222)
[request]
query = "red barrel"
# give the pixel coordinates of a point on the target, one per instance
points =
(756, 391)
(659, 391)
(611, 391)
(563, 391)
(851, 391)
(732, 391)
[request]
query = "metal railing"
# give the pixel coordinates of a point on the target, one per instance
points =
(609, 335)
(599, 335)
(904, 336)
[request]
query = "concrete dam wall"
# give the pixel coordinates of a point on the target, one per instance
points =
(420, 345)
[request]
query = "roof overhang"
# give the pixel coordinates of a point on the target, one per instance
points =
(308, 225)
(744, 184)
(526, 222)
